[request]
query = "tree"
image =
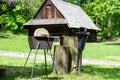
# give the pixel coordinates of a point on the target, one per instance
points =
(14, 16)
(105, 14)
(80, 2)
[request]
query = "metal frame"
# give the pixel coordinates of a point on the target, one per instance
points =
(37, 47)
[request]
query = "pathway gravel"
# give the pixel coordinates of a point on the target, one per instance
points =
(40, 56)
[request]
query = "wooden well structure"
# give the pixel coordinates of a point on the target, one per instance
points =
(61, 18)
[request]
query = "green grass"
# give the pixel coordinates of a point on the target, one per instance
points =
(17, 43)
(90, 72)
(102, 50)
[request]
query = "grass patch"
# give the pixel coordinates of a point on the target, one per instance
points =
(90, 72)
(104, 51)
(16, 43)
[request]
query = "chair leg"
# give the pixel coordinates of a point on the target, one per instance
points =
(26, 62)
(37, 47)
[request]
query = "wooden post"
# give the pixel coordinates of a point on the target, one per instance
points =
(79, 61)
(62, 59)
(72, 42)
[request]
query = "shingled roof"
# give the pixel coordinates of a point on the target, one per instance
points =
(74, 14)
(8, 1)
(35, 22)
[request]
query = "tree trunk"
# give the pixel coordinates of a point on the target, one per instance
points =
(109, 26)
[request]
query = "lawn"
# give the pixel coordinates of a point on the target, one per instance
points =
(104, 50)
(90, 72)
(17, 43)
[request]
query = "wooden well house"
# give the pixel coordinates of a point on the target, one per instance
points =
(60, 18)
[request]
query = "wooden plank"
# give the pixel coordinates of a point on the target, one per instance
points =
(72, 42)
(48, 11)
(62, 59)
(37, 22)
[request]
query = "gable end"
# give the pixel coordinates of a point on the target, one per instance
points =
(48, 11)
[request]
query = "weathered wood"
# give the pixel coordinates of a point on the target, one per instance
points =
(41, 22)
(72, 42)
(62, 59)
(2, 72)
(93, 36)
(47, 11)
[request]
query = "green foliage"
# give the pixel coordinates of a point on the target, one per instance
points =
(13, 19)
(104, 13)
(80, 2)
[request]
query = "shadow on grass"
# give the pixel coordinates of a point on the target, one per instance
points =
(106, 73)
(52, 78)
(14, 72)
(112, 44)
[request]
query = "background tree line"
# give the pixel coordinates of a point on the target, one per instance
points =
(13, 16)
(104, 13)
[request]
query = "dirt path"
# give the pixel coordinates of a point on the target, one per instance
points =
(22, 55)
(85, 61)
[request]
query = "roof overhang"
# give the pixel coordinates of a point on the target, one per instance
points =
(8, 1)
(39, 22)
(75, 15)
